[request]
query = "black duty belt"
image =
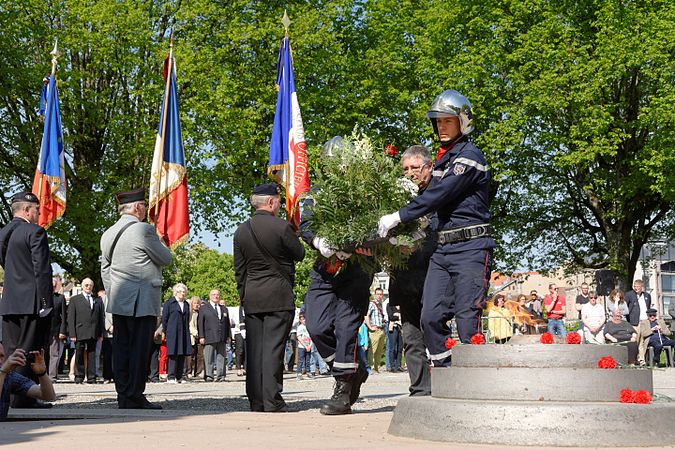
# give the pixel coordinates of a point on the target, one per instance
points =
(464, 234)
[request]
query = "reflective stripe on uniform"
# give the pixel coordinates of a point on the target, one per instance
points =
(329, 358)
(341, 365)
(443, 355)
(472, 163)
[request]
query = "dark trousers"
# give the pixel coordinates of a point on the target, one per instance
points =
(106, 351)
(455, 286)
(30, 333)
(176, 365)
(153, 374)
(658, 346)
(334, 314)
(55, 352)
(88, 347)
(291, 349)
(395, 348)
(414, 349)
(132, 343)
(239, 351)
(266, 335)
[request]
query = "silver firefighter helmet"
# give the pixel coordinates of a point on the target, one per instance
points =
(333, 147)
(452, 103)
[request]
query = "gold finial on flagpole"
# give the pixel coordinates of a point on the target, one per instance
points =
(55, 56)
(286, 21)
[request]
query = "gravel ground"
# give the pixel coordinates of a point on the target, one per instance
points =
(380, 393)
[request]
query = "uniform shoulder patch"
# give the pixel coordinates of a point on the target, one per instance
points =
(458, 169)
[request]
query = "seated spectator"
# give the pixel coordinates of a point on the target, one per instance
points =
(593, 317)
(15, 383)
(499, 321)
(653, 333)
(616, 301)
(619, 331)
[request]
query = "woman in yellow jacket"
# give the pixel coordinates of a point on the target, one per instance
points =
(499, 320)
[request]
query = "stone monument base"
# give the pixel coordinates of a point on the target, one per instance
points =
(522, 423)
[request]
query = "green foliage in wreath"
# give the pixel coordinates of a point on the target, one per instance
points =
(356, 188)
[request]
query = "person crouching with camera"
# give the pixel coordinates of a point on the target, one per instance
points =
(15, 383)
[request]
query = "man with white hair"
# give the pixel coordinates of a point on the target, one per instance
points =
(132, 276)
(86, 321)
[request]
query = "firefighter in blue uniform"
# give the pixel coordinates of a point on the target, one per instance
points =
(335, 305)
(459, 270)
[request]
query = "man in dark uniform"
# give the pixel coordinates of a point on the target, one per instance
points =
(459, 270)
(406, 286)
(131, 270)
(59, 330)
(27, 301)
(265, 251)
(334, 309)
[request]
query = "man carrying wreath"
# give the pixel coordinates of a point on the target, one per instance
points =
(459, 270)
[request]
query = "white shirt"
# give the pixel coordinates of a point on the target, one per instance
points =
(593, 315)
(215, 306)
(643, 307)
(181, 305)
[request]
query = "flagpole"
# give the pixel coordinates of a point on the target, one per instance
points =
(55, 57)
(163, 128)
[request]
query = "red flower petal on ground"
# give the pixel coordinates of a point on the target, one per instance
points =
(573, 338)
(478, 339)
(450, 342)
(390, 150)
(546, 338)
(626, 396)
(642, 397)
(607, 362)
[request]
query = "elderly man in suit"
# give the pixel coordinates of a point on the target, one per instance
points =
(265, 251)
(132, 276)
(27, 300)
(213, 325)
(638, 302)
(86, 320)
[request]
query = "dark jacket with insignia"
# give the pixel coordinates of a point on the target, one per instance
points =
(261, 286)
(458, 193)
(28, 271)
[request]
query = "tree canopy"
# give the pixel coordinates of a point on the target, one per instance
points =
(573, 105)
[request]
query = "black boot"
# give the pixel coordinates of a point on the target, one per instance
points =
(339, 402)
(358, 379)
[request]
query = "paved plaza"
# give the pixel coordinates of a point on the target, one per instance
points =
(196, 414)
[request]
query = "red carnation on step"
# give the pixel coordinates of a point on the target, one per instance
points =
(546, 338)
(450, 342)
(626, 396)
(642, 397)
(573, 338)
(607, 362)
(478, 339)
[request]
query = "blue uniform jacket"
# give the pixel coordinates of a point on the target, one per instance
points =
(458, 193)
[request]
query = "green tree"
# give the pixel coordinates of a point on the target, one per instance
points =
(202, 269)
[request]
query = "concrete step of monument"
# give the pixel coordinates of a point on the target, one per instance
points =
(537, 384)
(536, 355)
(538, 424)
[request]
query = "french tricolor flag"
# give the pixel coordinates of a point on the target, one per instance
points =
(168, 199)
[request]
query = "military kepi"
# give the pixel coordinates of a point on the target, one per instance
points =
(267, 189)
(652, 312)
(130, 196)
(25, 197)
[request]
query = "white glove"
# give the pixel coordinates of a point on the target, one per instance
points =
(387, 222)
(343, 255)
(322, 246)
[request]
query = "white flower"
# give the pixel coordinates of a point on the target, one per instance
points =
(408, 186)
